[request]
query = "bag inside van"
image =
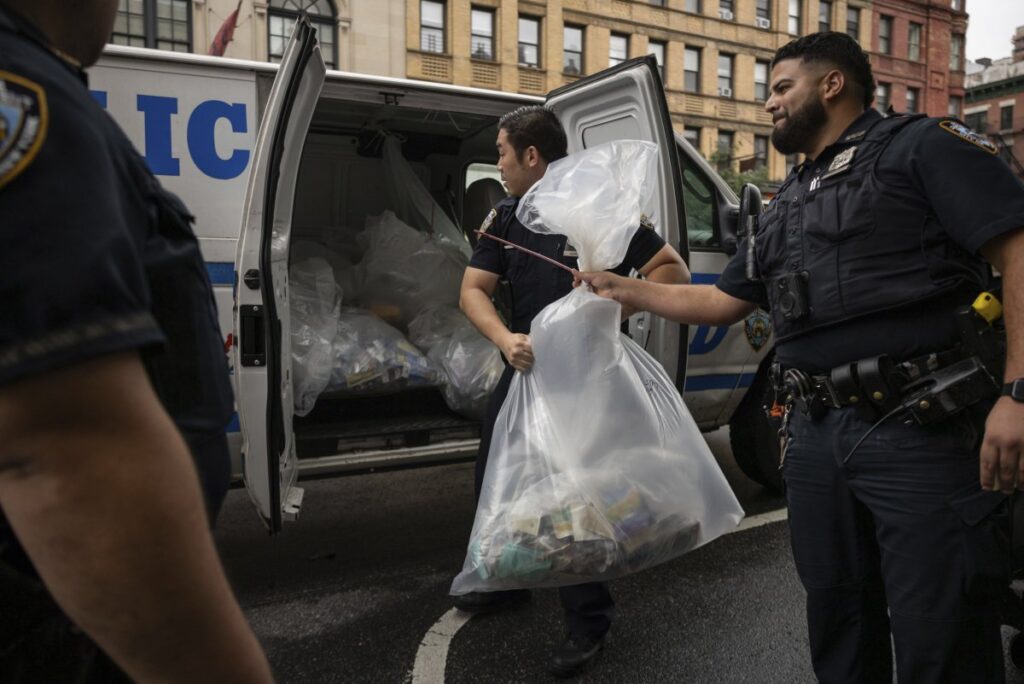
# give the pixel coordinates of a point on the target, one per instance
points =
(387, 200)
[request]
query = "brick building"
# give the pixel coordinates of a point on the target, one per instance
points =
(994, 103)
(917, 53)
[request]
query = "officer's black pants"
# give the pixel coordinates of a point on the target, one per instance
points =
(904, 525)
(588, 607)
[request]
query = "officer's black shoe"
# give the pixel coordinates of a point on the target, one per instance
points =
(488, 601)
(573, 656)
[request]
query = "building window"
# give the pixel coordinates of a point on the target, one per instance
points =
(760, 151)
(529, 42)
(913, 96)
(282, 15)
(724, 149)
(572, 50)
(957, 5)
(956, 51)
(618, 49)
(977, 121)
(853, 22)
(482, 34)
(726, 9)
(824, 16)
(432, 26)
(882, 92)
(794, 17)
(956, 103)
(658, 3)
(692, 136)
(914, 42)
(657, 48)
(761, 81)
(691, 70)
(164, 25)
(725, 63)
(1006, 118)
(885, 35)
(763, 12)
(692, 6)
(791, 162)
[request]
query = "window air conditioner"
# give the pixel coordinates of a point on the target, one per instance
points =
(763, 23)
(725, 92)
(725, 14)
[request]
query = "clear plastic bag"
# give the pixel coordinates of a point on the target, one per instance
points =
(596, 468)
(314, 301)
(405, 271)
(371, 357)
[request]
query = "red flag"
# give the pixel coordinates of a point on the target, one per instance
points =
(225, 33)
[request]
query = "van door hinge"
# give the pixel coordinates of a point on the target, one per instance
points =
(252, 336)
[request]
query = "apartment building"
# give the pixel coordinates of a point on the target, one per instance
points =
(994, 103)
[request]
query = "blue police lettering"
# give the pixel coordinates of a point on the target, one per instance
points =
(158, 112)
(706, 338)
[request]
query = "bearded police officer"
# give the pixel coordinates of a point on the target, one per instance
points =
(111, 372)
(530, 138)
(870, 258)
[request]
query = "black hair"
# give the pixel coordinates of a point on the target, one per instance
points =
(537, 126)
(838, 50)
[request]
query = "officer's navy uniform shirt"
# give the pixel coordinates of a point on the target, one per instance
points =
(927, 169)
(95, 257)
(534, 282)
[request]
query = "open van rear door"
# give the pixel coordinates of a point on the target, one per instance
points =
(262, 351)
(627, 102)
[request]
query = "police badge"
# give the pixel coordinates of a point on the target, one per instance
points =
(23, 119)
(758, 327)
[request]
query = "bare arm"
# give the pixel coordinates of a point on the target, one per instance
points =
(478, 287)
(668, 267)
(99, 487)
(1002, 451)
(693, 304)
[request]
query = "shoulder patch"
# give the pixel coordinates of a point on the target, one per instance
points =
(961, 131)
(23, 120)
(646, 222)
(488, 220)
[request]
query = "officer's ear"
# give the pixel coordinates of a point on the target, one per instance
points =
(531, 156)
(833, 84)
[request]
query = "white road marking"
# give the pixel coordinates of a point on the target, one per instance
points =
(432, 655)
(762, 519)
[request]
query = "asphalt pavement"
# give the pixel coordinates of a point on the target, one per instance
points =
(351, 591)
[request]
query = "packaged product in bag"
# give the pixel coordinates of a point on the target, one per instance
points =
(596, 468)
(314, 301)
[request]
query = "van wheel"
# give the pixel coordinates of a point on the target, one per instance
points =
(754, 435)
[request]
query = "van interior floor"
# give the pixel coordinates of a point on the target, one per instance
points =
(412, 418)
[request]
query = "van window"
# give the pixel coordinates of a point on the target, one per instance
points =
(476, 171)
(699, 199)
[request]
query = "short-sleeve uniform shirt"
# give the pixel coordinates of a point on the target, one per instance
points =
(937, 166)
(95, 257)
(535, 283)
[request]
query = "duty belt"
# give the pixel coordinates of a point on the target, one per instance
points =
(928, 387)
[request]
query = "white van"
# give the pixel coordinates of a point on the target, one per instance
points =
(266, 155)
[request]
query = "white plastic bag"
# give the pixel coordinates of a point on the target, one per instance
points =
(371, 357)
(596, 467)
(314, 300)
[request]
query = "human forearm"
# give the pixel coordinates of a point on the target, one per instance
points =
(692, 304)
(1012, 268)
(668, 274)
(479, 309)
(108, 508)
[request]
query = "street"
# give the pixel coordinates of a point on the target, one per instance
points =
(349, 591)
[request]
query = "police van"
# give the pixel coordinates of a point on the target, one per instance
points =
(269, 155)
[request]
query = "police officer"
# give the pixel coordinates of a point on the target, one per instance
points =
(530, 138)
(111, 372)
(864, 256)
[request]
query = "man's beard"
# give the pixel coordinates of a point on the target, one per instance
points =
(799, 127)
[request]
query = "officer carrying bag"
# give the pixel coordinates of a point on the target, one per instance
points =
(596, 468)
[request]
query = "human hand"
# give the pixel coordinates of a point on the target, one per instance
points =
(1002, 450)
(602, 283)
(518, 349)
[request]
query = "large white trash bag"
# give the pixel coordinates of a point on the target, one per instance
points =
(314, 300)
(596, 467)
